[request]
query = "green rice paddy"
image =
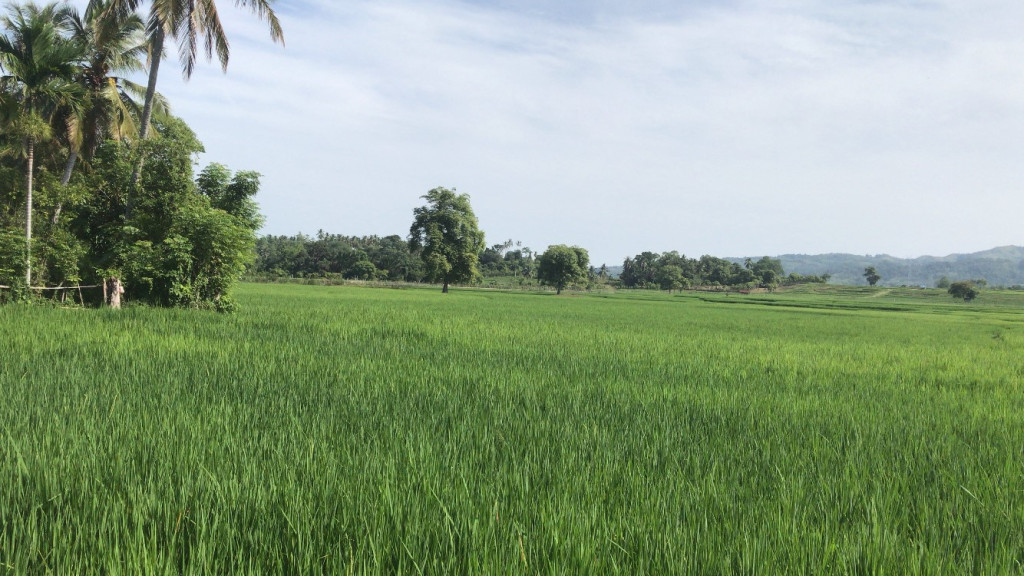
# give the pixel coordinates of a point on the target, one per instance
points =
(347, 430)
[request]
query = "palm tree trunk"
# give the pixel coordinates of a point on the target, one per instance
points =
(156, 52)
(68, 169)
(31, 149)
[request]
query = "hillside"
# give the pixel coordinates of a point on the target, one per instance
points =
(1001, 266)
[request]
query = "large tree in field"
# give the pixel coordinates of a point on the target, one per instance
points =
(563, 265)
(446, 234)
(38, 64)
(190, 22)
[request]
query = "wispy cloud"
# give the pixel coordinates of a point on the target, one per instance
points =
(727, 128)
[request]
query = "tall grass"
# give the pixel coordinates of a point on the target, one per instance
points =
(373, 431)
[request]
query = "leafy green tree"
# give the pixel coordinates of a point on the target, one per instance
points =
(964, 290)
(203, 256)
(39, 65)
(362, 270)
(943, 282)
(446, 234)
(520, 262)
(739, 275)
(391, 256)
(766, 264)
(871, 275)
(670, 277)
(638, 272)
(768, 279)
(178, 249)
(232, 193)
(562, 266)
(12, 263)
(492, 259)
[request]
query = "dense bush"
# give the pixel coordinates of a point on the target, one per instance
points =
(176, 240)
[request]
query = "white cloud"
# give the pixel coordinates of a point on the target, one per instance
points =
(756, 127)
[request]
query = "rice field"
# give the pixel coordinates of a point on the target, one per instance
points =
(347, 430)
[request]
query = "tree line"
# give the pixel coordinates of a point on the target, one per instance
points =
(335, 256)
(96, 176)
(673, 271)
(386, 258)
(445, 245)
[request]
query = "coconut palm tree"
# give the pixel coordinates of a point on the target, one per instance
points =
(38, 64)
(190, 22)
(112, 45)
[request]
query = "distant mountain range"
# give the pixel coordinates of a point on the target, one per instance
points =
(1002, 266)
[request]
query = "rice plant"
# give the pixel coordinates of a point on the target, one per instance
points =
(346, 430)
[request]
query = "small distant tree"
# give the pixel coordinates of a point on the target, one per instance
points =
(563, 265)
(871, 275)
(963, 290)
(942, 283)
(446, 234)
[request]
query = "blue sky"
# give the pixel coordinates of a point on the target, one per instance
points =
(729, 128)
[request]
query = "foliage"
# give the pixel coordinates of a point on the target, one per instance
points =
(964, 290)
(871, 275)
(191, 24)
(185, 245)
(672, 271)
(190, 250)
(62, 104)
(335, 256)
(112, 47)
(671, 277)
(232, 193)
(794, 279)
(12, 263)
(63, 253)
(446, 234)
(38, 64)
(562, 266)
(504, 260)
(768, 272)
(363, 270)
